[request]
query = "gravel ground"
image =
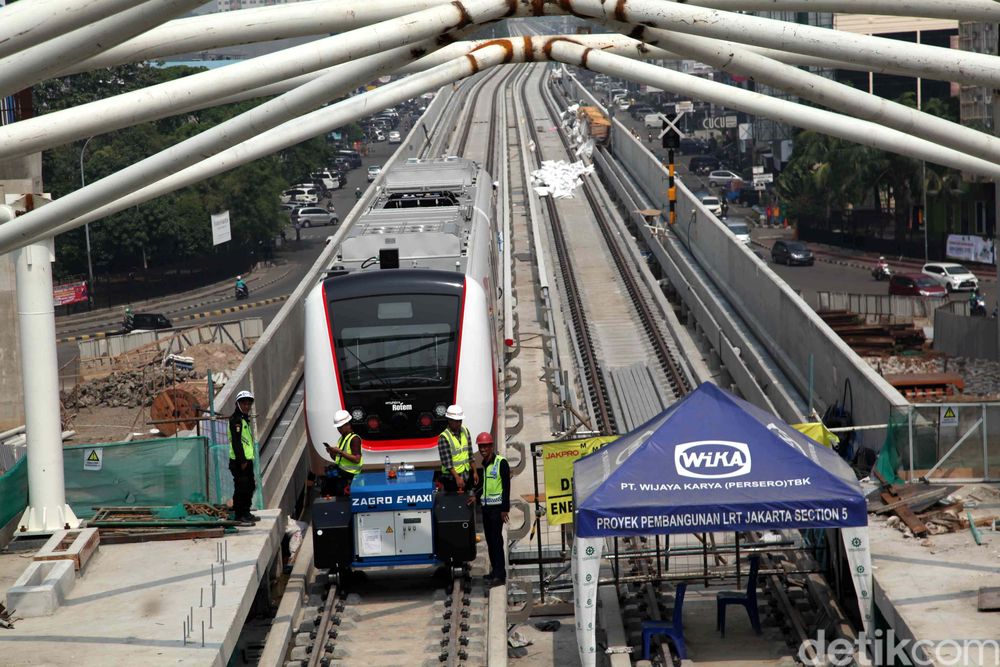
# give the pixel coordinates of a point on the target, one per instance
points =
(982, 376)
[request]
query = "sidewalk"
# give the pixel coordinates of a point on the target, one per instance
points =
(764, 237)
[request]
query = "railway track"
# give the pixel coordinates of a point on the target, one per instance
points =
(664, 348)
(362, 623)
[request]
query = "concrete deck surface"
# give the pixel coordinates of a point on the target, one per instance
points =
(130, 605)
(928, 589)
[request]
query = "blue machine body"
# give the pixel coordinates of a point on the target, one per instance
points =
(393, 519)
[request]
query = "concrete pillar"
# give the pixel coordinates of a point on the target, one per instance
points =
(47, 509)
(17, 176)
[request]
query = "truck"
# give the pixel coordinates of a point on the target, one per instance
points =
(594, 124)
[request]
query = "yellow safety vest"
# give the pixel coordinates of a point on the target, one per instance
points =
(246, 437)
(460, 451)
(344, 445)
(493, 486)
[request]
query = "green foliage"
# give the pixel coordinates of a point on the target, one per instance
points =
(827, 174)
(172, 230)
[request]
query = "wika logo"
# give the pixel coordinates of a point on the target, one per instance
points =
(712, 459)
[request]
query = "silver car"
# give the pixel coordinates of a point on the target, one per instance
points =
(722, 177)
(312, 216)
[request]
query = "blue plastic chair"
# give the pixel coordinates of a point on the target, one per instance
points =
(673, 629)
(747, 600)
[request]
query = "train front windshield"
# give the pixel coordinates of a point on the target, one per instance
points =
(396, 360)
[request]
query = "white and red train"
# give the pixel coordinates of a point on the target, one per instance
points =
(407, 320)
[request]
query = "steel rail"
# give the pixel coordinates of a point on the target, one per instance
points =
(596, 383)
(661, 346)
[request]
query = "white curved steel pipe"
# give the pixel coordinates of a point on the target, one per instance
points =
(918, 60)
(248, 26)
(732, 57)
(958, 10)
(190, 151)
(314, 124)
(827, 122)
(203, 89)
(37, 63)
(25, 24)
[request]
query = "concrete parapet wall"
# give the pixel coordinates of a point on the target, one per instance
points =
(792, 332)
(879, 304)
(965, 336)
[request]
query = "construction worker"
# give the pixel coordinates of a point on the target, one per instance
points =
(455, 452)
(494, 496)
(241, 457)
(346, 456)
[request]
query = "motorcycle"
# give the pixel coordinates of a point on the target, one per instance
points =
(977, 306)
(881, 272)
(242, 292)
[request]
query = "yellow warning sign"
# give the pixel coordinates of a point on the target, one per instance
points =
(949, 415)
(93, 458)
(388, 530)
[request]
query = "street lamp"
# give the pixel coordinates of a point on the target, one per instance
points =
(86, 232)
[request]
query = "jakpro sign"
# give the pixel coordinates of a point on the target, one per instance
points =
(557, 466)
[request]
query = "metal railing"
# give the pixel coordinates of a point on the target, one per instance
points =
(948, 442)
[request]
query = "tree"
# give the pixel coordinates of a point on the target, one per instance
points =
(174, 229)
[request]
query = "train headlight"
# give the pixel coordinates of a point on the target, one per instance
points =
(440, 409)
(357, 414)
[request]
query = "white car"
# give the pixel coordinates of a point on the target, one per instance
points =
(311, 216)
(954, 277)
(300, 196)
(713, 205)
(395, 137)
(373, 172)
(741, 231)
(652, 120)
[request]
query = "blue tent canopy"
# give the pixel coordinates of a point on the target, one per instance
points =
(713, 463)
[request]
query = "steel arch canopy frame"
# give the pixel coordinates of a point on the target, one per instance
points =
(314, 124)
(20, 70)
(827, 122)
(203, 89)
(248, 26)
(918, 60)
(299, 101)
(732, 57)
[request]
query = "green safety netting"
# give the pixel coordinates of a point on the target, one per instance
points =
(138, 473)
(888, 461)
(14, 491)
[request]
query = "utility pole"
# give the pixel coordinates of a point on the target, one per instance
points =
(86, 233)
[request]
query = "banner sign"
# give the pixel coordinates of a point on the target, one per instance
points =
(970, 248)
(221, 231)
(68, 293)
(557, 466)
(586, 567)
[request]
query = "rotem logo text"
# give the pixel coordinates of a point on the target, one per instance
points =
(712, 459)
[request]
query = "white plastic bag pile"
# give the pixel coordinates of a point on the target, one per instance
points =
(558, 178)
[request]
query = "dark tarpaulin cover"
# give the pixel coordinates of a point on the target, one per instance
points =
(713, 463)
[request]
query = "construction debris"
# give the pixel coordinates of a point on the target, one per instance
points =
(6, 621)
(919, 510)
(873, 339)
(128, 388)
(558, 178)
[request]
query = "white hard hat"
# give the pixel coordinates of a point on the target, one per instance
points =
(454, 412)
(239, 277)
(244, 394)
(341, 417)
